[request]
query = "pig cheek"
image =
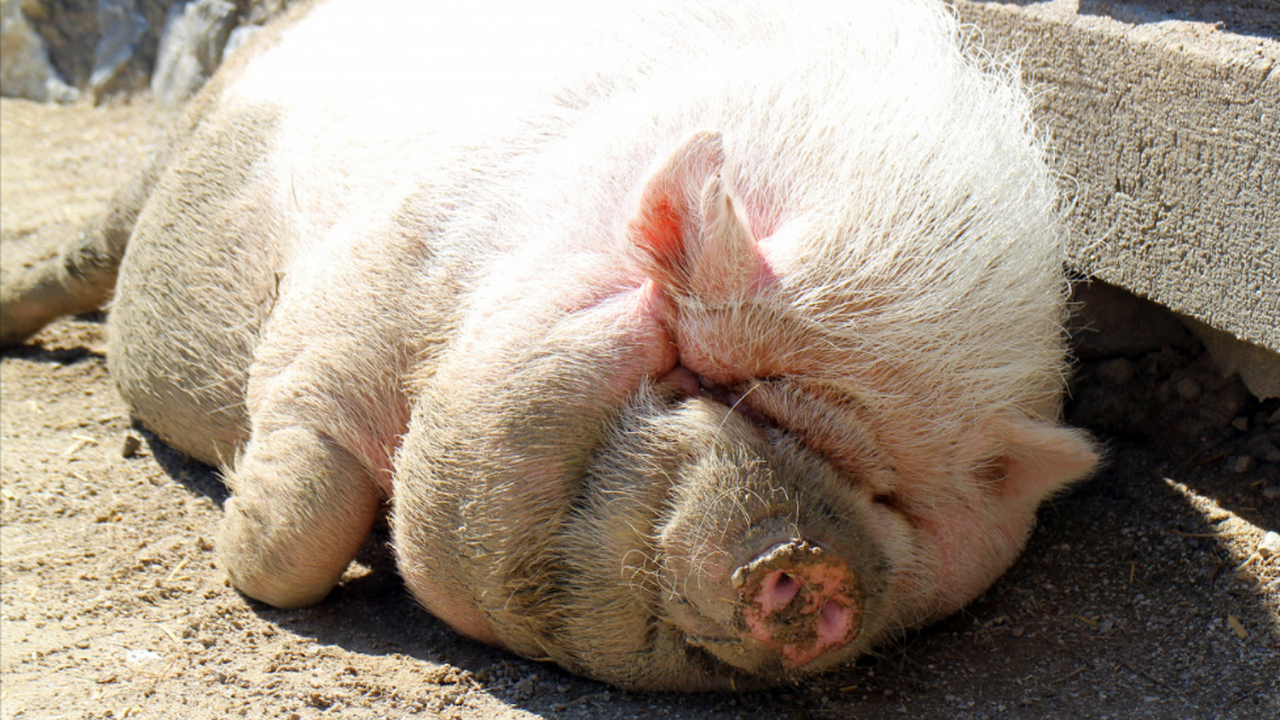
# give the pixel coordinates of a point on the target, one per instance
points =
(967, 561)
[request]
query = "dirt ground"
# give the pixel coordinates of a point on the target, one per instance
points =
(1142, 594)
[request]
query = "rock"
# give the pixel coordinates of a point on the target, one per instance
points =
(1223, 403)
(1262, 447)
(1241, 463)
(122, 28)
(261, 11)
(239, 37)
(1257, 366)
(1270, 544)
(1117, 371)
(131, 446)
(25, 70)
(191, 48)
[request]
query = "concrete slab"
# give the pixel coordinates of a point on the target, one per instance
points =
(1165, 117)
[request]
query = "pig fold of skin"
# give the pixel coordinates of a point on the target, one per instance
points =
(691, 346)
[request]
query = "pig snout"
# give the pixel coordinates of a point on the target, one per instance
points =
(799, 600)
(791, 604)
(766, 568)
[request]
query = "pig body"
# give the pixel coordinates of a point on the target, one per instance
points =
(692, 346)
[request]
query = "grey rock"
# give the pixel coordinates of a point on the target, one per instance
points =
(122, 28)
(191, 48)
(239, 37)
(25, 70)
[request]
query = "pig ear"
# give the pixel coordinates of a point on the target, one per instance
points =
(690, 235)
(1028, 460)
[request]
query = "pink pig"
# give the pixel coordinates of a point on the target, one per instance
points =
(696, 345)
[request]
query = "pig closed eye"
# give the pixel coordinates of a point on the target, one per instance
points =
(738, 400)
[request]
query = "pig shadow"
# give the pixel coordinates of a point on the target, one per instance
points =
(192, 474)
(371, 612)
(36, 350)
(1072, 619)
(53, 356)
(1209, 432)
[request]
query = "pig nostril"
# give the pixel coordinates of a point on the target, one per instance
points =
(779, 590)
(833, 622)
(787, 583)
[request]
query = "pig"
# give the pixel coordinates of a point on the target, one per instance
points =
(691, 345)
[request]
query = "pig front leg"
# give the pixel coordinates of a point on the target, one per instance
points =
(301, 506)
(500, 437)
(312, 478)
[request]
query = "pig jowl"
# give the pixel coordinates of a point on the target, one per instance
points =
(691, 346)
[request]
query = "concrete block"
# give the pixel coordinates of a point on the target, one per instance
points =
(1165, 120)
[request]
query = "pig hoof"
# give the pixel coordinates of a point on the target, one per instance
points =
(799, 600)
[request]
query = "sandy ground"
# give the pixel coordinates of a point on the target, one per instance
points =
(1141, 595)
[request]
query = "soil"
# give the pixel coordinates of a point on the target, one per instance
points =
(1146, 592)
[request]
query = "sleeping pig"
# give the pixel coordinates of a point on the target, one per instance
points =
(692, 345)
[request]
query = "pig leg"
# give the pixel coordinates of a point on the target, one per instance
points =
(76, 278)
(326, 414)
(301, 507)
(498, 445)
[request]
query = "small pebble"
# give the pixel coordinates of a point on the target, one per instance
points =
(1265, 449)
(131, 446)
(1270, 544)
(1188, 389)
(1241, 423)
(1241, 463)
(1271, 493)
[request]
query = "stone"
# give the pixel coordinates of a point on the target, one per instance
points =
(25, 69)
(191, 48)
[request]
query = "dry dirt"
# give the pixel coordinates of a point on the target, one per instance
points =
(1141, 595)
